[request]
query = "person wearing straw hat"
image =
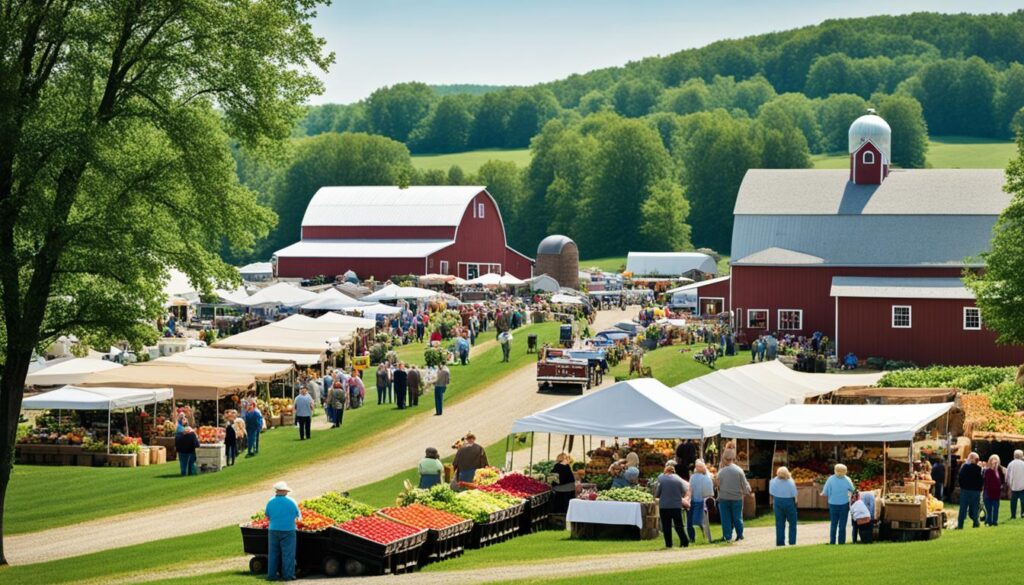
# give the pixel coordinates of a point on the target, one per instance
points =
(282, 512)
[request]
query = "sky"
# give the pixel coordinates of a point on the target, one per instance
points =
(522, 42)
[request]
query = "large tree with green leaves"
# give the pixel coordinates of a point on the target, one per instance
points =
(115, 125)
(909, 131)
(1000, 288)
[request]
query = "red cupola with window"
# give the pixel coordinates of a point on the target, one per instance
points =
(870, 148)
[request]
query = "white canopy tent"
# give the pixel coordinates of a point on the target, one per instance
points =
(70, 371)
(564, 299)
(748, 391)
(375, 309)
(280, 294)
(509, 280)
(393, 292)
(301, 359)
(839, 422)
(263, 371)
(332, 300)
(99, 398)
(640, 408)
(489, 279)
(359, 322)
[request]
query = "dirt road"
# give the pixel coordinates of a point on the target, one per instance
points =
(488, 413)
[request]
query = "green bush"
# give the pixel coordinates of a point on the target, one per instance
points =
(377, 353)
(967, 378)
(1007, 397)
(434, 356)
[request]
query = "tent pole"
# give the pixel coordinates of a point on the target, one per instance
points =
(109, 406)
(549, 446)
(531, 449)
(506, 451)
(885, 475)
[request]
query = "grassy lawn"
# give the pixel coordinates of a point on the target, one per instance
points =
(672, 367)
(107, 491)
(941, 560)
(471, 160)
(946, 152)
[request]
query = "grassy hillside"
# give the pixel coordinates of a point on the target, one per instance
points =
(947, 152)
(471, 160)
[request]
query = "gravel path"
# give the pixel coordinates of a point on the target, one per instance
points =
(756, 539)
(488, 413)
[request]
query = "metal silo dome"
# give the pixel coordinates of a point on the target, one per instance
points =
(871, 127)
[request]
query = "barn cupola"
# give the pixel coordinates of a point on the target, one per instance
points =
(870, 149)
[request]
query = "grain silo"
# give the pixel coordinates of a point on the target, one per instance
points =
(559, 258)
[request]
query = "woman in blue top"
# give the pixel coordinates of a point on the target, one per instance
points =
(838, 489)
(782, 489)
(701, 488)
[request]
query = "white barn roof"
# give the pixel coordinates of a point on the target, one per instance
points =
(389, 206)
(669, 263)
(363, 248)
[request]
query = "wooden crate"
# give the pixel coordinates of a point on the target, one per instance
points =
(211, 457)
(905, 512)
(168, 444)
(143, 457)
(157, 455)
(118, 460)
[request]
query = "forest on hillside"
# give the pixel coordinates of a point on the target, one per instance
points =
(631, 157)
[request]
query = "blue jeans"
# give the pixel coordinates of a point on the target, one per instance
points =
(187, 462)
(731, 512)
(838, 515)
(785, 511)
(466, 475)
(439, 399)
(695, 521)
(968, 506)
(281, 554)
(253, 435)
(1014, 498)
(991, 511)
(430, 480)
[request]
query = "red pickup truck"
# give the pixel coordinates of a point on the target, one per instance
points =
(555, 370)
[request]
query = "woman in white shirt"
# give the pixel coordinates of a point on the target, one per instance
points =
(782, 489)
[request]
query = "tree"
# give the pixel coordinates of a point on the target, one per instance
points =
(491, 120)
(909, 131)
(835, 114)
(446, 129)
(593, 102)
(799, 111)
(1000, 288)
(504, 181)
(751, 93)
(115, 124)
(831, 74)
(663, 215)
(1010, 99)
(692, 96)
(394, 111)
(635, 97)
(332, 159)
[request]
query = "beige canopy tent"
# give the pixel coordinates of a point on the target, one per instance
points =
(70, 371)
(188, 381)
(300, 359)
(262, 371)
(280, 339)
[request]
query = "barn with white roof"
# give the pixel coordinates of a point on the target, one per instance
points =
(385, 231)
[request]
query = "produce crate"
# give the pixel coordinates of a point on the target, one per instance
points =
(441, 543)
(117, 460)
(905, 511)
(288, 419)
(168, 444)
(535, 513)
(211, 457)
(400, 556)
(498, 528)
(143, 457)
(157, 455)
(311, 549)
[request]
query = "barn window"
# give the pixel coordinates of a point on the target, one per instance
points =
(791, 319)
(972, 318)
(444, 267)
(869, 157)
(757, 319)
(479, 210)
(901, 317)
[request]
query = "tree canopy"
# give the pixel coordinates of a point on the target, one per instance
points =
(116, 121)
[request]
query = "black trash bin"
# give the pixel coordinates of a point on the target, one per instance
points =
(531, 343)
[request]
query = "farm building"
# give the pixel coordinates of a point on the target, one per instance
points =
(559, 258)
(707, 297)
(871, 257)
(385, 231)
(693, 265)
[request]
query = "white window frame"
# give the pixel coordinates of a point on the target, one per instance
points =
(778, 321)
(977, 312)
(767, 318)
(479, 210)
(444, 267)
(700, 305)
(865, 157)
(910, 317)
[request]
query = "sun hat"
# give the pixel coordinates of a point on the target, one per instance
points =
(281, 487)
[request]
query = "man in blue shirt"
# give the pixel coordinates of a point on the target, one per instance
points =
(253, 426)
(282, 511)
(304, 413)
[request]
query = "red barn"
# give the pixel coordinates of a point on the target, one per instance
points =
(385, 231)
(871, 257)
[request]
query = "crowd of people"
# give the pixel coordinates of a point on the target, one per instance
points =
(985, 483)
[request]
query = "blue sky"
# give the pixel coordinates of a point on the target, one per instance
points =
(519, 42)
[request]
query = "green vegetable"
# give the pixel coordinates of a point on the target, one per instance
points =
(967, 378)
(338, 508)
(626, 495)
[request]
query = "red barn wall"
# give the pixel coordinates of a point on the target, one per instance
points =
(866, 174)
(379, 268)
(378, 232)
(518, 265)
(936, 334)
(716, 290)
(477, 240)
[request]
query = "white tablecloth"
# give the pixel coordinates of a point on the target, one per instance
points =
(623, 513)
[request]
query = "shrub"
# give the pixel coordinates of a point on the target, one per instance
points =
(1007, 397)
(434, 356)
(968, 378)
(377, 353)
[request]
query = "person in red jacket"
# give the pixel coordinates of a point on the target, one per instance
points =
(994, 478)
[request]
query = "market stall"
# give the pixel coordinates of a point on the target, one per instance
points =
(810, 438)
(297, 358)
(332, 300)
(71, 371)
(80, 445)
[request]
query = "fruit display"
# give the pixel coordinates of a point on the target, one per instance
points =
(58, 436)
(870, 484)
(486, 475)
(495, 489)
(934, 505)
(903, 498)
(626, 495)
(377, 529)
(422, 516)
(979, 415)
(520, 483)
(210, 435)
(337, 507)
(281, 405)
(802, 475)
(474, 505)
(310, 521)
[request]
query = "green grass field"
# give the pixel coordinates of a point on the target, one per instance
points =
(103, 491)
(946, 152)
(471, 160)
(672, 366)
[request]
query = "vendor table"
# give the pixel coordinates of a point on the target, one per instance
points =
(211, 457)
(593, 519)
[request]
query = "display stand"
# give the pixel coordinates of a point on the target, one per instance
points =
(211, 457)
